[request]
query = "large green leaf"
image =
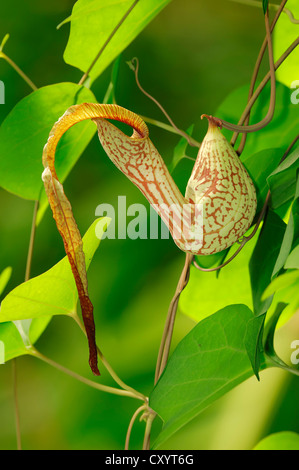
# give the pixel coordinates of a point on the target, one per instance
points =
(211, 360)
(92, 22)
(25, 131)
(280, 132)
(51, 293)
(285, 33)
(285, 440)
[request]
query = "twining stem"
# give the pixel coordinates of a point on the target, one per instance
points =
(131, 424)
(149, 421)
(134, 65)
(251, 98)
(85, 76)
(168, 128)
(108, 367)
(166, 340)
(267, 119)
(242, 119)
(18, 70)
(169, 324)
(90, 383)
(265, 80)
(254, 78)
(255, 3)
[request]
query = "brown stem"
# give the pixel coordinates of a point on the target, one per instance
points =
(84, 77)
(212, 121)
(147, 435)
(134, 64)
(169, 324)
(267, 119)
(254, 78)
(266, 79)
(131, 424)
(74, 375)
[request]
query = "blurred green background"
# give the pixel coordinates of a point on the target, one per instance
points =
(191, 56)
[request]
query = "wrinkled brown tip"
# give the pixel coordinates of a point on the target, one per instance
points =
(94, 366)
(212, 120)
(88, 320)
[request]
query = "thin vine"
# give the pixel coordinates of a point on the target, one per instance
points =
(134, 65)
(272, 6)
(103, 388)
(268, 118)
(254, 79)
